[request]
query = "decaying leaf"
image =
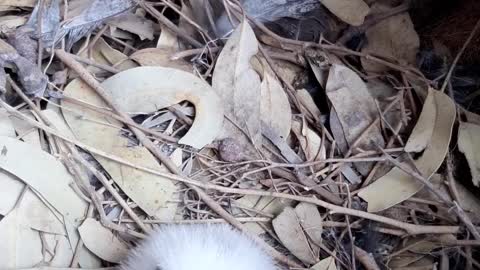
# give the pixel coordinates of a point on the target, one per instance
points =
(397, 186)
(356, 110)
(469, 144)
(238, 85)
(394, 37)
(350, 11)
(292, 236)
(101, 241)
(160, 57)
(325, 264)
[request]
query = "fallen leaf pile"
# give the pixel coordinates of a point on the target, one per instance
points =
(120, 116)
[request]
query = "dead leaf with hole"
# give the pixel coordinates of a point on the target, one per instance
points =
(325, 264)
(102, 242)
(239, 86)
(160, 57)
(148, 89)
(356, 111)
(394, 37)
(292, 236)
(352, 12)
(469, 145)
(311, 221)
(397, 186)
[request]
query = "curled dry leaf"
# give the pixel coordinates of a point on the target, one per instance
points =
(238, 85)
(160, 57)
(101, 241)
(292, 236)
(397, 186)
(394, 37)
(469, 144)
(356, 110)
(352, 12)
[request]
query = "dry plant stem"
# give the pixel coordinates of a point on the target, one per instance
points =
(459, 54)
(365, 259)
(90, 80)
(163, 20)
(456, 208)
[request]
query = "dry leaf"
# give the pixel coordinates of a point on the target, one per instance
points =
(394, 37)
(310, 142)
(167, 39)
(397, 186)
(469, 144)
(356, 110)
(25, 131)
(325, 264)
(422, 133)
(18, 3)
(135, 24)
(352, 12)
(292, 236)
(311, 221)
(160, 57)
(31, 170)
(7, 23)
(274, 105)
(238, 85)
(20, 246)
(307, 102)
(101, 241)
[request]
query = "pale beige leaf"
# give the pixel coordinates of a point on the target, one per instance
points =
(9, 22)
(311, 221)
(63, 251)
(310, 142)
(114, 57)
(307, 102)
(18, 3)
(238, 85)
(356, 110)
(52, 184)
(469, 144)
(26, 132)
(134, 24)
(288, 229)
(101, 241)
(352, 12)
(274, 105)
(397, 186)
(160, 57)
(20, 246)
(325, 264)
(394, 37)
(422, 133)
(167, 39)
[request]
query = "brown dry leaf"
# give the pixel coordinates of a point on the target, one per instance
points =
(238, 85)
(311, 221)
(397, 186)
(394, 37)
(20, 246)
(469, 144)
(134, 24)
(352, 12)
(288, 229)
(160, 57)
(102, 242)
(325, 264)
(356, 110)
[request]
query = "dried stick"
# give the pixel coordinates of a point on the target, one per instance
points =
(95, 85)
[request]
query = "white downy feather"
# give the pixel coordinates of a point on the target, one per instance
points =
(199, 247)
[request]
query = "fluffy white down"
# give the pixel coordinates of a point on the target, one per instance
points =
(199, 247)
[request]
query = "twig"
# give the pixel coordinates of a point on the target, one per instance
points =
(366, 259)
(459, 54)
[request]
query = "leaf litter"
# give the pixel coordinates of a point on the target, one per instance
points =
(330, 140)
